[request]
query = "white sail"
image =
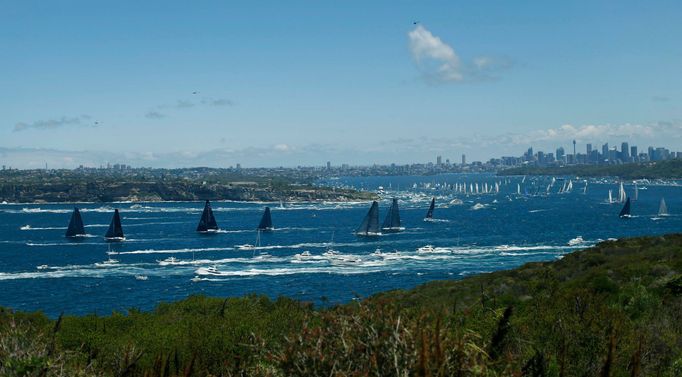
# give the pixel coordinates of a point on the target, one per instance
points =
(662, 208)
(636, 191)
(518, 188)
(621, 193)
(610, 197)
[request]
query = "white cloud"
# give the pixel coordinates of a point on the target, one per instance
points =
(439, 62)
(427, 49)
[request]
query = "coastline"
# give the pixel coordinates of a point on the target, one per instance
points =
(625, 292)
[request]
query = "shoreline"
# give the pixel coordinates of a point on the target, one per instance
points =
(500, 321)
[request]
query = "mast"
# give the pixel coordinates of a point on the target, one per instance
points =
(370, 224)
(207, 222)
(266, 220)
(76, 227)
(625, 212)
(429, 213)
(392, 220)
(115, 231)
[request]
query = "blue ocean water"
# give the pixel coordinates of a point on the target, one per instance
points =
(41, 270)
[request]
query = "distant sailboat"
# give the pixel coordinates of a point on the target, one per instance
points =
(115, 231)
(392, 222)
(370, 224)
(76, 228)
(621, 194)
(429, 213)
(266, 221)
(610, 197)
(636, 192)
(625, 212)
(207, 224)
(662, 208)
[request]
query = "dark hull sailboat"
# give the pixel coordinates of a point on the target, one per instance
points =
(76, 228)
(429, 213)
(266, 221)
(115, 231)
(392, 221)
(370, 224)
(207, 224)
(625, 212)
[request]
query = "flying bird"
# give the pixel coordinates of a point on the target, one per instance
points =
(415, 22)
(195, 92)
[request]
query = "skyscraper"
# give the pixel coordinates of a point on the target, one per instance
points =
(625, 152)
(605, 151)
(633, 153)
(560, 154)
(439, 161)
(464, 159)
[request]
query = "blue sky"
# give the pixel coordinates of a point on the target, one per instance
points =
(300, 83)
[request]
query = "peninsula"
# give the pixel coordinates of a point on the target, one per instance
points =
(669, 169)
(146, 184)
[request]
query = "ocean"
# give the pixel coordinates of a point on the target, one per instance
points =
(471, 234)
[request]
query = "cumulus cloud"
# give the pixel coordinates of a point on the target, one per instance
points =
(428, 50)
(438, 61)
(50, 124)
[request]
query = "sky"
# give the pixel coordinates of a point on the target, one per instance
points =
(176, 83)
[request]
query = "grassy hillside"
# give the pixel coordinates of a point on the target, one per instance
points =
(655, 170)
(612, 310)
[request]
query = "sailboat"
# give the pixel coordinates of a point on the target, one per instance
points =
(76, 228)
(392, 221)
(636, 192)
(248, 246)
(662, 208)
(610, 200)
(115, 231)
(429, 213)
(207, 224)
(266, 221)
(625, 212)
(370, 224)
(621, 194)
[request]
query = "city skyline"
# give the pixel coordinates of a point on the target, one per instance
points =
(299, 83)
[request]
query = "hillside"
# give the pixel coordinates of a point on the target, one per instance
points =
(612, 310)
(671, 169)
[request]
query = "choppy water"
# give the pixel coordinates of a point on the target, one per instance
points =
(41, 270)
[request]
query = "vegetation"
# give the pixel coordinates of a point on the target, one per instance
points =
(105, 185)
(669, 169)
(612, 310)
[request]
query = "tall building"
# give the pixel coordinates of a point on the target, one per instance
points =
(633, 153)
(439, 160)
(560, 154)
(589, 148)
(605, 151)
(574, 150)
(625, 152)
(464, 159)
(329, 165)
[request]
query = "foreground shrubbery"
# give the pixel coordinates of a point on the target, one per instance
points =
(614, 310)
